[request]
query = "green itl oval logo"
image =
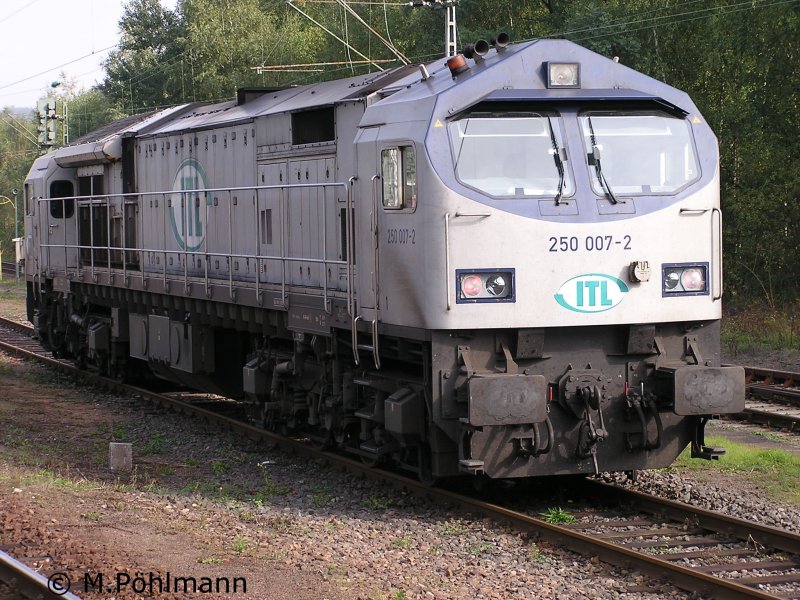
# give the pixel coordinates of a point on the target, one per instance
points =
(591, 293)
(188, 212)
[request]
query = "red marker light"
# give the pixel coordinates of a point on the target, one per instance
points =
(471, 285)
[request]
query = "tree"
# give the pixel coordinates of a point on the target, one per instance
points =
(18, 149)
(145, 70)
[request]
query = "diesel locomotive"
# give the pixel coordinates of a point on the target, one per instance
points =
(507, 264)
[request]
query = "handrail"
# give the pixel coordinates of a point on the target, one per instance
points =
(374, 229)
(447, 257)
(716, 268)
(350, 245)
(92, 201)
(375, 279)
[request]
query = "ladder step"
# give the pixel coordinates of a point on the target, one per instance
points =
(368, 347)
(362, 414)
(361, 381)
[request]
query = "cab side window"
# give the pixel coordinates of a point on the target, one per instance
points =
(62, 209)
(399, 176)
(29, 202)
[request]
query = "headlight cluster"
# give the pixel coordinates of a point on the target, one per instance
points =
(687, 279)
(484, 285)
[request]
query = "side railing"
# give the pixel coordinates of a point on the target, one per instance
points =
(78, 256)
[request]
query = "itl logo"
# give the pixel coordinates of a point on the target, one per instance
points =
(188, 212)
(591, 293)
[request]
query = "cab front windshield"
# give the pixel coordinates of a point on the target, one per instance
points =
(639, 153)
(510, 155)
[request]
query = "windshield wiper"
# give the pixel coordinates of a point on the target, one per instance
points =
(559, 162)
(594, 158)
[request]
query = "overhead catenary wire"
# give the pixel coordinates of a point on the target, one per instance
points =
(19, 10)
(46, 71)
(20, 128)
(670, 19)
(329, 32)
(385, 42)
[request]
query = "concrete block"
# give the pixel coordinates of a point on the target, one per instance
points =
(120, 456)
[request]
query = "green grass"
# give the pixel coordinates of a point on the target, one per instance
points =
(775, 471)
(480, 548)
(321, 496)
(404, 542)
(378, 503)
(155, 445)
(47, 478)
(536, 554)
(12, 298)
(218, 467)
(453, 528)
(557, 515)
(240, 544)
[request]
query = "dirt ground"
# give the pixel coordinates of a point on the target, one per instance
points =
(59, 501)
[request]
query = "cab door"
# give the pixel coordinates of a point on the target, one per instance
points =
(58, 224)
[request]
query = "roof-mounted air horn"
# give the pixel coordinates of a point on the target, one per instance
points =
(500, 41)
(476, 50)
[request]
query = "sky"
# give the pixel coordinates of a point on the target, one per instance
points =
(40, 39)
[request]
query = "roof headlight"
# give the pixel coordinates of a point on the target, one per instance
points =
(563, 75)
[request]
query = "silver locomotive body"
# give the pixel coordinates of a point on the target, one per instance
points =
(511, 267)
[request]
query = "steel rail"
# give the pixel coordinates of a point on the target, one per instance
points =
(29, 584)
(684, 577)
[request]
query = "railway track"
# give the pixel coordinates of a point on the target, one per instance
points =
(692, 548)
(774, 397)
(21, 581)
(8, 269)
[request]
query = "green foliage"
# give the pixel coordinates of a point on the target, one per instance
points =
(147, 68)
(758, 327)
(17, 151)
(88, 111)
